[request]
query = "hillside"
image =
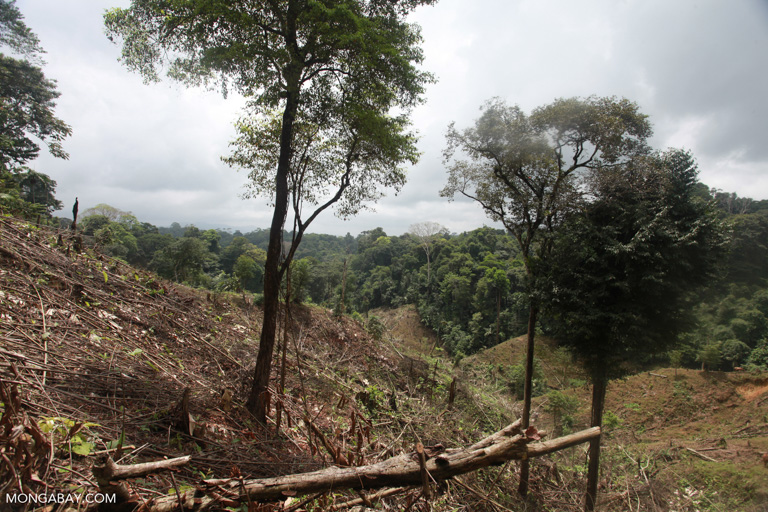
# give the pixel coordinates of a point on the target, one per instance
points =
(100, 350)
(676, 439)
(93, 351)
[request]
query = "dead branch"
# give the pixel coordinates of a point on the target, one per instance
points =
(700, 455)
(109, 475)
(372, 498)
(112, 471)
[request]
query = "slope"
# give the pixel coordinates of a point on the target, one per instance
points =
(99, 358)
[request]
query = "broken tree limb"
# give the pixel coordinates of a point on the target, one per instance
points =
(372, 498)
(112, 471)
(400, 471)
(109, 474)
(422, 456)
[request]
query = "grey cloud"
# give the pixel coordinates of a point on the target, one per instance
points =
(698, 68)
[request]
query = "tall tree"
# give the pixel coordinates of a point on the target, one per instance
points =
(623, 269)
(27, 101)
(353, 59)
(427, 233)
(525, 172)
(15, 34)
(27, 97)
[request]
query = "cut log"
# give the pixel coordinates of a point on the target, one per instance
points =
(400, 471)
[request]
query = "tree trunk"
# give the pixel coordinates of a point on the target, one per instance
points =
(599, 386)
(527, 393)
(258, 400)
(403, 470)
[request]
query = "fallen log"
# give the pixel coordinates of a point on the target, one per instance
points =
(404, 470)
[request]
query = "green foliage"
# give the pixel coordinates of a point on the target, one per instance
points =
(27, 101)
(724, 485)
(562, 406)
(184, 261)
(620, 283)
(676, 358)
(517, 168)
(611, 421)
(375, 327)
(759, 356)
(37, 189)
(26, 193)
(245, 272)
(75, 436)
(735, 352)
(117, 241)
(300, 272)
(110, 213)
(15, 34)
(516, 379)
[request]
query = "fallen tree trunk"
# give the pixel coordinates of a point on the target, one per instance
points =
(404, 470)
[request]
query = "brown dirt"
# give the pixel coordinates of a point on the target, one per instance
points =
(753, 391)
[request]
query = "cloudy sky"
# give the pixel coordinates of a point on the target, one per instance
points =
(698, 68)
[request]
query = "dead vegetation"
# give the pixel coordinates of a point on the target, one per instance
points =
(96, 358)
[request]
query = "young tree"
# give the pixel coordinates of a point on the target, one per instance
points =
(622, 270)
(347, 60)
(525, 172)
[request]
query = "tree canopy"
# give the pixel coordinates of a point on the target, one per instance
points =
(527, 171)
(27, 97)
(27, 102)
(621, 277)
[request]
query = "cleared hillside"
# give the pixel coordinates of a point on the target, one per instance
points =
(92, 351)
